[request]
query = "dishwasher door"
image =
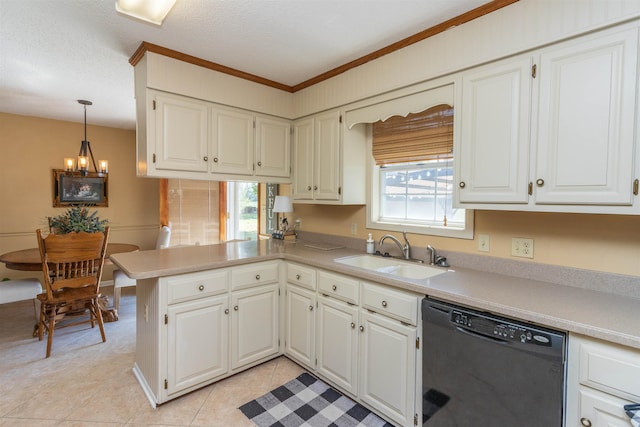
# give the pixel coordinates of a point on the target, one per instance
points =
(483, 370)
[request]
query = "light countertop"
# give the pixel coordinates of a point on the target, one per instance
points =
(593, 313)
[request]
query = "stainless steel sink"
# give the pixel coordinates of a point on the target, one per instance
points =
(392, 266)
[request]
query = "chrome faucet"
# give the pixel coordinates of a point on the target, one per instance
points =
(406, 248)
(432, 254)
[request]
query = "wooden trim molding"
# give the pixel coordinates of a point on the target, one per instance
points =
(485, 9)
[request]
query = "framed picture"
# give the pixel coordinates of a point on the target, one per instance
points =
(73, 188)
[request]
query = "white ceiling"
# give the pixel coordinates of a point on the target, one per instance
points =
(55, 52)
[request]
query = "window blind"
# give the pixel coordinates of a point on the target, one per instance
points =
(417, 137)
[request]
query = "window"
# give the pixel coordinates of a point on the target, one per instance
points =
(412, 179)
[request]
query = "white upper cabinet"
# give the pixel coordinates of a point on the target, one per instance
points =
(180, 128)
(494, 125)
(586, 121)
(183, 137)
(273, 147)
(329, 161)
(232, 140)
(552, 130)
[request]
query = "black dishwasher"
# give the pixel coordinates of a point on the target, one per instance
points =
(484, 370)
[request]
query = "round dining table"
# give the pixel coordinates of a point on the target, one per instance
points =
(29, 259)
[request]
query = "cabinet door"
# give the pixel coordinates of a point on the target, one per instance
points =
(196, 342)
(303, 160)
(273, 147)
(254, 325)
(388, 366)
(300, 325)
(586, 121)
(180, 133)
(494, 141)
(326, 173)
(232, 139)
(337, 351)
(601, 410)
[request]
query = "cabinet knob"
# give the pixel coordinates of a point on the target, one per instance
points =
(205, 158)
(259, 163)
(310, 308)
(334, 287)
(353, 325)
(215, 160)
(257, 277)
(539, 182)
(586, 422)
(297, 277)
(309, 188)
(462, 184)
(201, 288)
(361, 328)
(235, 308)
(315, 188)
(226, 311)
(384, 303)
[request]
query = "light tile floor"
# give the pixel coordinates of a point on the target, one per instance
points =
(89, 383)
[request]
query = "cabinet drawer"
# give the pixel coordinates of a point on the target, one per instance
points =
(609, 367)
(337, 286)
(390, 302)
(247, 276)
(302, 276)
(190, 286)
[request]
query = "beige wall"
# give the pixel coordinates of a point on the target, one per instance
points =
(31, 147)
(609, 243)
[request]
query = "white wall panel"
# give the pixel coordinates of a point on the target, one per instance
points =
(521, 26)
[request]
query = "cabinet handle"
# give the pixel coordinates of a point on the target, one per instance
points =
(206, 159)
(201, 288)
(309, 188)
(235, 308)
(462, 184)
(259, 163)
(226, 311)
(257, 277)
(539, 182)
(310, 308)
(586, 422)
(297, 277)
(353, 325)
(361, 328)
(384, 303)
(334, 287)
(215, 160)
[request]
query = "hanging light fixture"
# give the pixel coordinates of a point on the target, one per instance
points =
(81, 165)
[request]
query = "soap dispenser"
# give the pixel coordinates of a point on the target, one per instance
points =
(370, 244)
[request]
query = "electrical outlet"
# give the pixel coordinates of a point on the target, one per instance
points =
(483, 242)
(522, 247)
(354, 228)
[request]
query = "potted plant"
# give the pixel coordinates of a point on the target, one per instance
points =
(77, 219)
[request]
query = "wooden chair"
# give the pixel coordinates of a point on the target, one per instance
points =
(72, 266)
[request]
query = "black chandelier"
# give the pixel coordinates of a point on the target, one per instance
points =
(81, 165)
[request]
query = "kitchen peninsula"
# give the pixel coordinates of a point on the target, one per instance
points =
(243, 297)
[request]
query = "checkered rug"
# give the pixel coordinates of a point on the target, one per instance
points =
(307, 401)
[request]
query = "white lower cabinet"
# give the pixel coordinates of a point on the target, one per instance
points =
(337, 355)
(196, 328)
(388, 366)
(300, 324)
(254, 325)
(366, 340)
(197, 342)
(601, 378)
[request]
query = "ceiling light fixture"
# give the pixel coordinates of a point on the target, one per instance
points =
(82, 164)
(151, 11)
